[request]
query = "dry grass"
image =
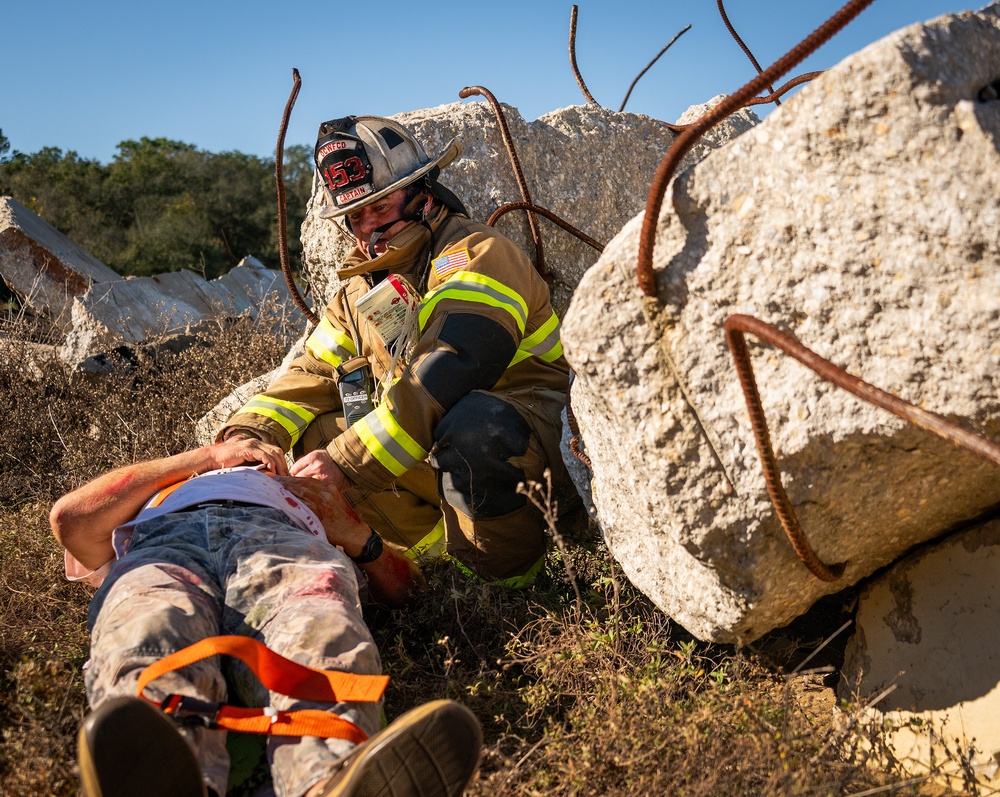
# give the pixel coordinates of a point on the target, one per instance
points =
(583, 687)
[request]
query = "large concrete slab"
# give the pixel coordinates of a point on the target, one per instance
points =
(862, 218)
(131, 310)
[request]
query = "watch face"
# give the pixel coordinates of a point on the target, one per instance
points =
(371, 551)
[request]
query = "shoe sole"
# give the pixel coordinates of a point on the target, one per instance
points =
(126, 747)
(431, 751)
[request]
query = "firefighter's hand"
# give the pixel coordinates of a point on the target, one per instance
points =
(245, 450)
(319, 464)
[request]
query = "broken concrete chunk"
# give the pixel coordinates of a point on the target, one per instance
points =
(926, 631)
(130, 311)
(41, 265)
(862, 218)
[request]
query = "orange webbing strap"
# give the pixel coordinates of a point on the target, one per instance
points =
(161, 496)
(278, 674)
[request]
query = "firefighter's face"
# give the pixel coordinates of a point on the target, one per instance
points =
(366, 220)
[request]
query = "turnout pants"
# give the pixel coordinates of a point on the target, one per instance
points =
(463, 502)
(233, 570)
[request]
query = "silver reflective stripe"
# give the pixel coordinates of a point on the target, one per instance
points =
(549, 348)
(388, 443)
(293, 419)
(328, 344)
(548, 344)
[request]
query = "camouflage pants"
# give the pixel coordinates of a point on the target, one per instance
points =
(233, 570)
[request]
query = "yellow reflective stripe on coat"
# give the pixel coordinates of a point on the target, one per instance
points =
(520, 582)
(329, 344)
(467, 286)
(431, 546)
(389, 442)
(543, 343)
(514, 582)
(293, 418)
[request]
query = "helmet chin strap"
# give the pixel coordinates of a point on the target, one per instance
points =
(379, 232)
(414, 211)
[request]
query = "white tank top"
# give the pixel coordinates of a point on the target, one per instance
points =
(244, 483)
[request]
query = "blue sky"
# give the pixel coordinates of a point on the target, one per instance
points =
(84, 76)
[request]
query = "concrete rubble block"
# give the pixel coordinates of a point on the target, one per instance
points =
(41, 265)
(588, 165)
(131, 310)
(576, 467)
(253, 280)
(210, 422)
(860, 217)
(926, 631)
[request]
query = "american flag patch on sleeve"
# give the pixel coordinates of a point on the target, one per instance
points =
(450, 262)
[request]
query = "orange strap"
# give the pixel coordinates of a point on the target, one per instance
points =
(278, 674)
(161, 496)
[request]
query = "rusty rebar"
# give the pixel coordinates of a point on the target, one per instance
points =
(279, 177)
(574, 431)
(572, 59)
(738, 325)
(683, 143)
(742, 44)
(559, 222)
(536, 235)
(805, 77)
(791, 84)
(628, 93)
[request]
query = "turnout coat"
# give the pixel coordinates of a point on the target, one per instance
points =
(484, 322)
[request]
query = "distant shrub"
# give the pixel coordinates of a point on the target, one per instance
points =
(164, 205)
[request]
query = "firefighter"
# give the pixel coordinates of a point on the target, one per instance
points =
(434, 384)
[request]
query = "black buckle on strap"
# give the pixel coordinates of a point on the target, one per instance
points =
(190, 712)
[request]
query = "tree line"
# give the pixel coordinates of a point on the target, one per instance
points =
(163, 205)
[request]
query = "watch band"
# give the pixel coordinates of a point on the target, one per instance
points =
(371, 551)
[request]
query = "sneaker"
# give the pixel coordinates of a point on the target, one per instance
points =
(431, 751)
(129, 747)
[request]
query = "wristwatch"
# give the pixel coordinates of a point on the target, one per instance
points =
(371, 551)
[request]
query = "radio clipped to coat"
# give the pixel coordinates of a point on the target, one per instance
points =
(355, 383)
